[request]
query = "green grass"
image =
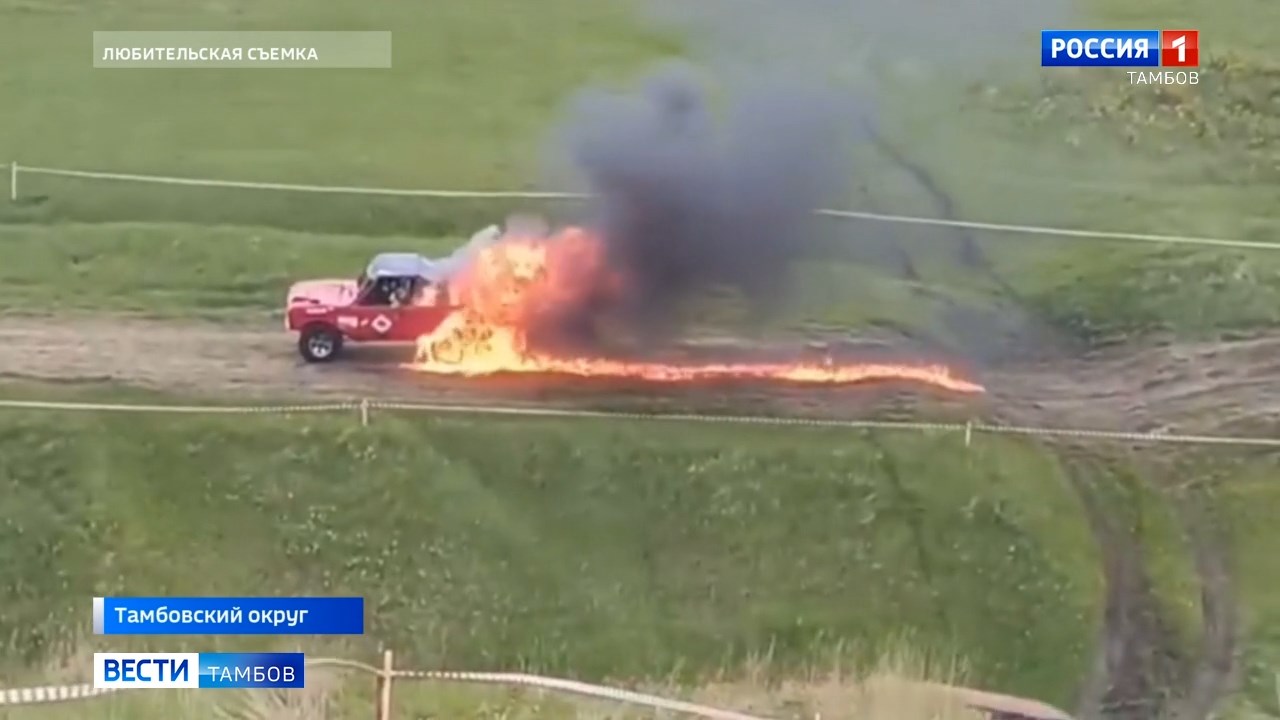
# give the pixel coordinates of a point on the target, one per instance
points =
(1085, 149)
(176, 270)
(238, 272)
(466, 105)
(1245, 493)
(1111, 292)
(182, 270)
(469, 89)
(1148, 512)
(624, 550)
(1193, 163)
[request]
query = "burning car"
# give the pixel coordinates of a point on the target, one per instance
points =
(398, 298)
(487, 309)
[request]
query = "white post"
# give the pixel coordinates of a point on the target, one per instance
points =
(968, 433)
(384, 686)
(13, 182)
(364, 412)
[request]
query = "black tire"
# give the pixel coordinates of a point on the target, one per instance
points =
(319, 343)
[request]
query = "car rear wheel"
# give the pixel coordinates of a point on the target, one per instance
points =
(319, 343)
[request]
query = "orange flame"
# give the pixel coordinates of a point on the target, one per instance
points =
(511, 286)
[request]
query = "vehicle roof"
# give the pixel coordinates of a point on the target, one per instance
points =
(401, 264)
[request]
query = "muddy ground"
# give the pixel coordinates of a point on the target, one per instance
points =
(1231, 387)
(1218, 388)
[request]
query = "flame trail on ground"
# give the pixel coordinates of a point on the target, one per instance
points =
(521, 284)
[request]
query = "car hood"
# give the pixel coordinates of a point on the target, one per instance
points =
(323, 292)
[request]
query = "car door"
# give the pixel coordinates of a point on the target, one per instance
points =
(427, 308)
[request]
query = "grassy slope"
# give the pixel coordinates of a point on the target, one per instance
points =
(1246, 495)
(176, 270)
(617, 549)
(1088, 150)
(182, 269)
(469, 92)
(469, 89)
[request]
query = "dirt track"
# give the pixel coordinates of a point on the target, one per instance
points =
(1187, 388)
(197, 357)
(1184, 388)
(262, 362)
(1205, 387)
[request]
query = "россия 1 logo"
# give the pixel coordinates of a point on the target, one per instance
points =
(1127, 49)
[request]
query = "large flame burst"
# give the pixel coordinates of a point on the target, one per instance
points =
(518, 283)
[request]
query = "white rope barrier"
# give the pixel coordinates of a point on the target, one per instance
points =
(1059, 232)
(333, 189)
(364, 406)
(979, 700)
(177, 409)
(573, 687)
(50, 694)
(85, 691)
(16, 169)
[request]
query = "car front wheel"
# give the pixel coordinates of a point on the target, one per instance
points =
(319, 343)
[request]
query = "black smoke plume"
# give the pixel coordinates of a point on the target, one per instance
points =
(689, 199)
(706, 179)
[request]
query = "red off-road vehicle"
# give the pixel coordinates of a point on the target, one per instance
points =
(397, 299)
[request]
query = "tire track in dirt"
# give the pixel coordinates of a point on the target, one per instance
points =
(1129, 679)
(1135, 665)
(260, 363)
(1137, 675)
(1010, 329)
(1216, 672)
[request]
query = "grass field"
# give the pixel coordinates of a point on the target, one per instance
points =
(600, 549)
(469, 89)
(594, 550)
(1244, 491)
(239, 273)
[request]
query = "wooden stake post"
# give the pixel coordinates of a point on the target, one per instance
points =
(384, 687)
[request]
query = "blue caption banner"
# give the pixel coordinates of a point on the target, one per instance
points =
(252, 670)
(1100, 48)
(228, 616)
